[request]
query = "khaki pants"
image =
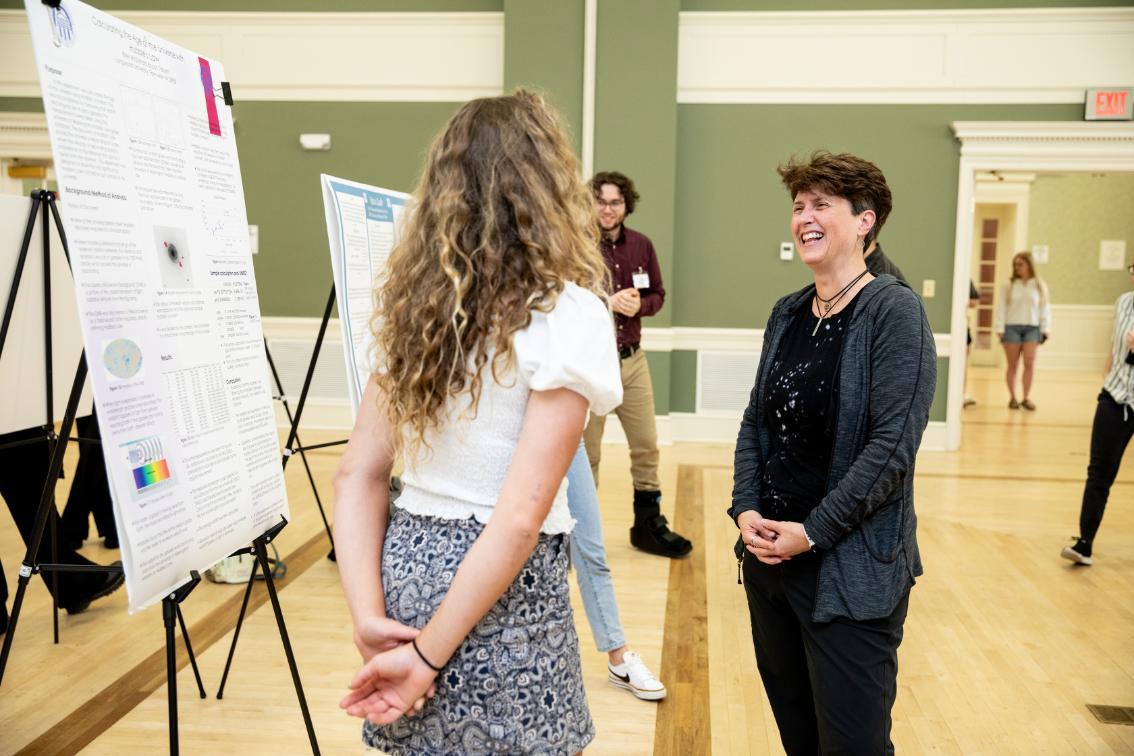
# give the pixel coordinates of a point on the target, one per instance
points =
(636, 413)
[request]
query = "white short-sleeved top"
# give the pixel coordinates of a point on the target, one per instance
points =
(1023, 303)
(463, 471)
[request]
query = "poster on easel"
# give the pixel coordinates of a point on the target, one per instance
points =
(362, 227)
(153, 207)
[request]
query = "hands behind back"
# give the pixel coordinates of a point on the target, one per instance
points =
(393, 681)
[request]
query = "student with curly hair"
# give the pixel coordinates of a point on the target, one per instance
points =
(493, 340)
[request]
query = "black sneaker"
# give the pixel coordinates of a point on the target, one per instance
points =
(110, 582)
(1078, 552)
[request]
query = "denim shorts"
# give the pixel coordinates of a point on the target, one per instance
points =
(1020, 334)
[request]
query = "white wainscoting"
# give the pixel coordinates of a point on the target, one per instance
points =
(291, 341)
(1033, 55)
(690, 427)
(1080, 337)
(438, 57)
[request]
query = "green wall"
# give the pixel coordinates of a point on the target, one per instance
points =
(733, 211)
(683, 381)
(636, 119)
(1071, 215)
(21, 104)
(552, 63)
(661, 365)
(379, 143)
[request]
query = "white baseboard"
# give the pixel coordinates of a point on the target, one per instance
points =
(318, 414)
(935, 437)
(327, 407)
(687, 427)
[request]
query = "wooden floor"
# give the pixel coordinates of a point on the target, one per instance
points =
(1005, 642)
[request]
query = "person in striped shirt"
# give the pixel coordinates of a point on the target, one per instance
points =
(1111, 431)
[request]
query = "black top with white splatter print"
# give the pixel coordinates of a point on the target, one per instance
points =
(801, 403)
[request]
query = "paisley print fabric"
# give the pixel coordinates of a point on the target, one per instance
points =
(514, 685)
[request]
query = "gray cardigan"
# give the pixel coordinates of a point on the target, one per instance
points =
(865, 526)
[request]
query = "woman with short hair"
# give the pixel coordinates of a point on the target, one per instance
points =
(823, 471)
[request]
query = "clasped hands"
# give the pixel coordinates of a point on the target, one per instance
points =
(626, 302)
(394, 681)
(771, 541)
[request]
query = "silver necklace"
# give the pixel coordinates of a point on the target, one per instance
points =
(824, 306)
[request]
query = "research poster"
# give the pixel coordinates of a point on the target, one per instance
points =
(362, 226)
(154, 212)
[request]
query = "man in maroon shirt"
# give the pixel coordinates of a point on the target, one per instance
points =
(636, 292)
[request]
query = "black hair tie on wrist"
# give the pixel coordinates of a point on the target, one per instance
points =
(428, 663)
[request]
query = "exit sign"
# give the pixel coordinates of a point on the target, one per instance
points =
(1110, 105)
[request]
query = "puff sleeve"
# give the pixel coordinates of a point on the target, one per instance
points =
(572, 347)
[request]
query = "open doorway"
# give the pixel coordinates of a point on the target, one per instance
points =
(994, 243)
(994, 153)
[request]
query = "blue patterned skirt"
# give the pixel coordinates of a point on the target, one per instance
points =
(515, 685)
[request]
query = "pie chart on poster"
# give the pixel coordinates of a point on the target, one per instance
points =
(123, 358)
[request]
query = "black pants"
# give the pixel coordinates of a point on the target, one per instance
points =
(90, 491)
(831, 684)
(1110, 434)
(23, 471)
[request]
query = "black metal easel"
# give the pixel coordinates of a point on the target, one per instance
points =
(290, 449)
(170, 608)
(259, 548)
(294, 444)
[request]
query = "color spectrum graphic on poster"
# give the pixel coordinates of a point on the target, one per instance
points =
(148, 474)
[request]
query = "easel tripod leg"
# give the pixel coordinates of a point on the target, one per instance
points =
(45, 503)
(236, 630)
(262, 557)
(189, 650)
(168, 610)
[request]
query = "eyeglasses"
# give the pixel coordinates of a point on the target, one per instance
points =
(613, 204)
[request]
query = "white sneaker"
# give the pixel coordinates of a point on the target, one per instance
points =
(635, 676)
(1075, 555)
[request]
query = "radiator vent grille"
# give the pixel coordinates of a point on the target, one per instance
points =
(292, 356)
(724, 381)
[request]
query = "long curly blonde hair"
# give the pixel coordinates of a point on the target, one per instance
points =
(500, 223)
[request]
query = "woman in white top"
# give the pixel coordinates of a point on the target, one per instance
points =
(493, 341)
(1023, 322)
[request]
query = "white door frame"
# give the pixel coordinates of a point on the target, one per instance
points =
(1028, 146)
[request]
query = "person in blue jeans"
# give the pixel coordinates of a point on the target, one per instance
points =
(625, 668)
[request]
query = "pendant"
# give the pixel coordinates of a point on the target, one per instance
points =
(817, 324)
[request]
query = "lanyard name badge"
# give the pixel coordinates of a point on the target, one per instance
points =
(641, 279)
